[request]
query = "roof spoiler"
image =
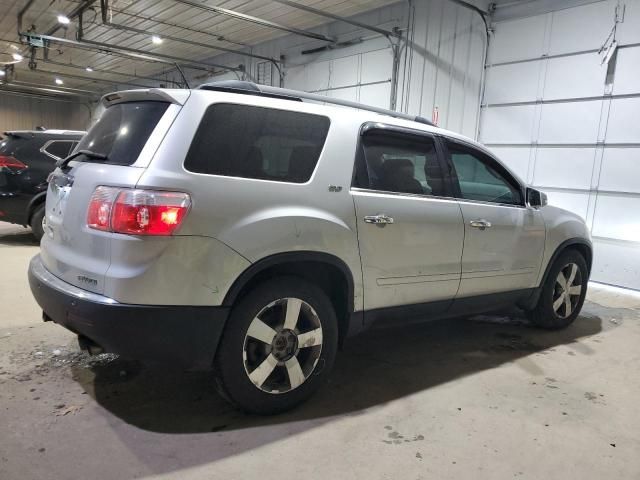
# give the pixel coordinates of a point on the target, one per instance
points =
(250, 88)
(17, 134)
(178, 97)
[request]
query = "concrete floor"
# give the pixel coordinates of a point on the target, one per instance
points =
(480, 398)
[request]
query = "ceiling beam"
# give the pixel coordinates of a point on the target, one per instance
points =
(322, 13)
(218, 38)
(88, 79)
(91, 48)
(104, 7)
(52, 89)
(258, 21)
(130, 52)
(44, 93)
(108, 72)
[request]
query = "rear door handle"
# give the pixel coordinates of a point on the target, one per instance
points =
(480, 223)
(380, 219)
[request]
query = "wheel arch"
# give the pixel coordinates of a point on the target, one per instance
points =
(583, 246)
(34, 203)
(323, 269)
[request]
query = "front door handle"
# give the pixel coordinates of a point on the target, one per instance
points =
(380, 219)
(480, 223)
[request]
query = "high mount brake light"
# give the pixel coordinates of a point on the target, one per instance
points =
(137, 212)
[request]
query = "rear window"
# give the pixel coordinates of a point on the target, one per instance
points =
(256, 142)
(122, 131)
(11, 145)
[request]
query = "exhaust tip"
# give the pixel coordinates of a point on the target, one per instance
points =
(89, 346)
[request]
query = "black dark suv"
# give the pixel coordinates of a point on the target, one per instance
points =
(26, 159)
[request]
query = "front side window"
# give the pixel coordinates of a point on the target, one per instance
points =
(480, 179)
(257, 142)
(400, 163)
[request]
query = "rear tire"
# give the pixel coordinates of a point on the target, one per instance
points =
(563, 292)
(36, 222)
(278, 347)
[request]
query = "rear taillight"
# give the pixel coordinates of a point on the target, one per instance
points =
(11, 162)
(137, 212)
(100, 206)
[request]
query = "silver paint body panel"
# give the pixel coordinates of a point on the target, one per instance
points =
(429, 253)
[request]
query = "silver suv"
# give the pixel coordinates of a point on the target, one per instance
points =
(252, 229)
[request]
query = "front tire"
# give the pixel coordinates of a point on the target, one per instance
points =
(278, 347)
(563, 293)
(36, 222)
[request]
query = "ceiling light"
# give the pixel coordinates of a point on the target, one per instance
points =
(156, 39)
(89, 69)
(63, 19)
(59, 81)
(2, 74)
(17, 57)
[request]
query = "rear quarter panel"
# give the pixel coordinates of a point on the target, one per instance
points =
(259, 218)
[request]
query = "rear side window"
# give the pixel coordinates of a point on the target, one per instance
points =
(256, 142)
(58, 148)
(400, 163)
(122, 131)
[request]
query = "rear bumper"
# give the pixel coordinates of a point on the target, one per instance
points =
(182, 335)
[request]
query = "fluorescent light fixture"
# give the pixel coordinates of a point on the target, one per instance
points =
(156, 39)
(2, 73)
(89, 69)
(17, 57)
(63, 19)
(59, 81)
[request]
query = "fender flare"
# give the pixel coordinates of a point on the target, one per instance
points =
(533, 299)
(290, 257)
(561, 248)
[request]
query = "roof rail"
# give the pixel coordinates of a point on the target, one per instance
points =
(250, 88)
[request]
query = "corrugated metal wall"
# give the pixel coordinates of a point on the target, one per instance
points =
(569, 125)
(19, 112)
(441, 67)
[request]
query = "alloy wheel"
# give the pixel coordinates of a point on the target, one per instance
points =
(567, 290)
(282, 345)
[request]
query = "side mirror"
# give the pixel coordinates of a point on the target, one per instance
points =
(536, 198)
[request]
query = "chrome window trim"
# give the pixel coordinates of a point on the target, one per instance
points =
(482, 202)
(402, 194)
(43, 148)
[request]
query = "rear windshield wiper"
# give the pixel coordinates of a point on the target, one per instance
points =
(93, 155)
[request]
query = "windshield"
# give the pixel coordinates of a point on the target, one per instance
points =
(122, 131)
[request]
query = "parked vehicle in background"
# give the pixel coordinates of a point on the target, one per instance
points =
(243, 228)
(27, 157)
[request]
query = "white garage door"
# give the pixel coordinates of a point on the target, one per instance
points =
(571, 126)
(363, 77)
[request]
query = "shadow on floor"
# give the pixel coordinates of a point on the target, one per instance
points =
(379, 366)
(18, 236)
